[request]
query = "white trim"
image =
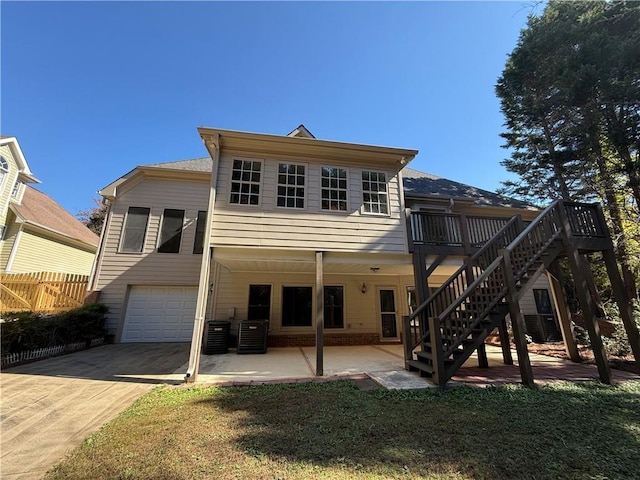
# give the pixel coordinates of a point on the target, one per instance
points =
(14, 250)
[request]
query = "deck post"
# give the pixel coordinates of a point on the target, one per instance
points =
(483, 361)
(517, 322)
(319, 316)
(624, 304)
(564, 315)
(505, 344)
(580, 270)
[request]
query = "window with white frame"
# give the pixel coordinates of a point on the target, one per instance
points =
(291, 185)
(4, 170)
(16, 188)
(245, 182)
(375, 198)
(334, 189)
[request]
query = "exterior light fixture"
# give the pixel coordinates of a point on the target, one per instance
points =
(374, 269)
(363, 288)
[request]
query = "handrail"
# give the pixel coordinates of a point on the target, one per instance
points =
(467, 302)
(458, 274)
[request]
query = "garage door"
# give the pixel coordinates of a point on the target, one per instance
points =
(160, 314)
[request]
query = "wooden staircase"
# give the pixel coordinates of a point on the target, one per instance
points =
(447, 328)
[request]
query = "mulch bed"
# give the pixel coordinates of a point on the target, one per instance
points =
(627, 363)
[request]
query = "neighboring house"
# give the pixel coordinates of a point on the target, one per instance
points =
(38, 235)
(303, 233)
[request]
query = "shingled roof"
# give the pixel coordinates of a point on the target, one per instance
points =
(421, 184)
(39, 209)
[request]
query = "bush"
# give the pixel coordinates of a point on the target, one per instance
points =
(28, 330)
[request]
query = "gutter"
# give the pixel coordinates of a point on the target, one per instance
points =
(212, 143)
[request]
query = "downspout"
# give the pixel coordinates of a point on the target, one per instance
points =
(213, 146)
(97, 261)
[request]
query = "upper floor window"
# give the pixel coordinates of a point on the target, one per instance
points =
(16, 188)
(135, 227)
(198, 244)
(4, 170)
(375, 198)
(291, 184)
(171, 232)
(334, 189)
(245, 182)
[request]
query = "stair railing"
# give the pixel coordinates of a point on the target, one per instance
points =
(448, 292)
(524, 251)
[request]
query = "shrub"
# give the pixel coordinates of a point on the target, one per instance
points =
(29, 330)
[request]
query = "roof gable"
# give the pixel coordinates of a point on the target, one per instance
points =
(24, 173)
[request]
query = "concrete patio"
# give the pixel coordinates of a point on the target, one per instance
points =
(382, 363)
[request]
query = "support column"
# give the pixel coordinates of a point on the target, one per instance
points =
(505, 344)
(483, 361)
(517, 322)
(319, 316)
(564, 315)
(580, 270)
(624, 303)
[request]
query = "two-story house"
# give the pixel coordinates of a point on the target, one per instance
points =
(313, 236)
(36, 233)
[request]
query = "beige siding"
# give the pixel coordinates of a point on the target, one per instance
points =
(36, 253)
(361, 309)
(117, 270)
(311, 228)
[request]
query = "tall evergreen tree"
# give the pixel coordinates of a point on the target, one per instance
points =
(570, 93)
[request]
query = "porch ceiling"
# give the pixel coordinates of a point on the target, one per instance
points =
(297, 261)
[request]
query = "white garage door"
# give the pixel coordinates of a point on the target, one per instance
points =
(160, 314)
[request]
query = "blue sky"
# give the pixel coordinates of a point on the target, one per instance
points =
(93, 89)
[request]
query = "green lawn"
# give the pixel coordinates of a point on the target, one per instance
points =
(336, 431)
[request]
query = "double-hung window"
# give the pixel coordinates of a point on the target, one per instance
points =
(171, 232)
(245, 182)
(198, 244)
(135, 227)
(334, 188)
(291, 185)
(375, 198)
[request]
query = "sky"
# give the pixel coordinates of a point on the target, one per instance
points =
(92, 89)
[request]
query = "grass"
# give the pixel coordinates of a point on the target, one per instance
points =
(336, 431)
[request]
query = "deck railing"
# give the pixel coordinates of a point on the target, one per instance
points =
(453, 229)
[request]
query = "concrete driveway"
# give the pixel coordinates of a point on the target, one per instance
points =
(51, 406)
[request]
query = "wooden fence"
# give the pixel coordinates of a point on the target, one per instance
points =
(45, 292)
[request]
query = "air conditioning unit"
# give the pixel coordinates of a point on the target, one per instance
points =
(252, 336)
